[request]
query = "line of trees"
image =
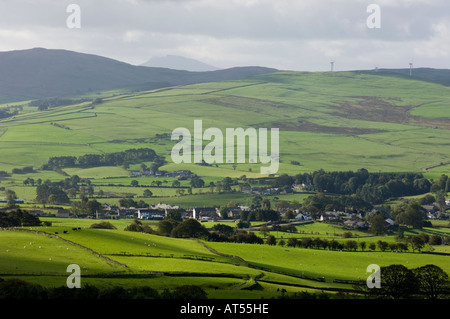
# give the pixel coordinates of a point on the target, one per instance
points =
(399, 282)
(107, 159)
(8, 112)
(44, 104)
(19, 289)
(373, 188)
(18, 218)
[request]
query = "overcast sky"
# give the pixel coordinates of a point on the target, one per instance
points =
(300, 35)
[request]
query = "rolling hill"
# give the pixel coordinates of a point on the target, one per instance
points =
(39, 73)
(438, 76)
(334, 121)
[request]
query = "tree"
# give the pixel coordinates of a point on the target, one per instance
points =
(413, 215)
(256, 202)
(197, 182)
(147, 193)
(165, 227)
(127, 202)
(103, 225)
(134, 183)
(11, 199)
(417, 242)
(173, 214)
(292, 242)
(351, 245)
(176, 183)
(265, 204)
(17, 218)
(223, 229)
(433, 281)
(189, 228)
(271, 240)
(377, 225)
(86, 207)
(362, 244)
(382, 245)
(397, 282)
(45, 190)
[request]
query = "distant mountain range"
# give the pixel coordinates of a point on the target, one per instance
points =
(39, 73)
(176, 62)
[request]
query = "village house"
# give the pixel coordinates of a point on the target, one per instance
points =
(63, 213)
(303, 216)
(149, 213)
(205, 213)
(331, 215)
(233, 212)
(303, 187)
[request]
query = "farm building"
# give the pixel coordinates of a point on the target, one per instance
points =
(146, 213)
(205, 212)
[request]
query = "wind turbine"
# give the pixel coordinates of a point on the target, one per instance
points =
(410, 67)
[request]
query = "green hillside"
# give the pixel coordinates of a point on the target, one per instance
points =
(334, 121)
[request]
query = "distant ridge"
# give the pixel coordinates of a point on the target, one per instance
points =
(176, 62)
(439, 76)
(39, 73)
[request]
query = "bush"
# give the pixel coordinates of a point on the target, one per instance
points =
(137, 226)
(189, 228)
(185, 292)
(103, 225)
(18, 289)
(435, 240)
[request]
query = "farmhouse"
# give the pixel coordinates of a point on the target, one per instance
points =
(331, 215)
(390, 222)
(303, 187)
(63, 213)
(205, 213)
(233, 212)
(148, 213)
(303, 216)
(356, 224)
(165, 207)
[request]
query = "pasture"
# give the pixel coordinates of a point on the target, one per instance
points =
(229, 270)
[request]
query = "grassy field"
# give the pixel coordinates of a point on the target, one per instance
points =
(359, 122)
(118, 257)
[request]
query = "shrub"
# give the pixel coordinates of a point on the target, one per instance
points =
(435, 240)
(103, 225)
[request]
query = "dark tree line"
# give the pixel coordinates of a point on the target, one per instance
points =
(188, 228)
(45, 104)
(8, 112)
(51, 193)
(260, 215)
(19, 289)
(369, 187)
(107, 159)
(400, 282)
(18, 218)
